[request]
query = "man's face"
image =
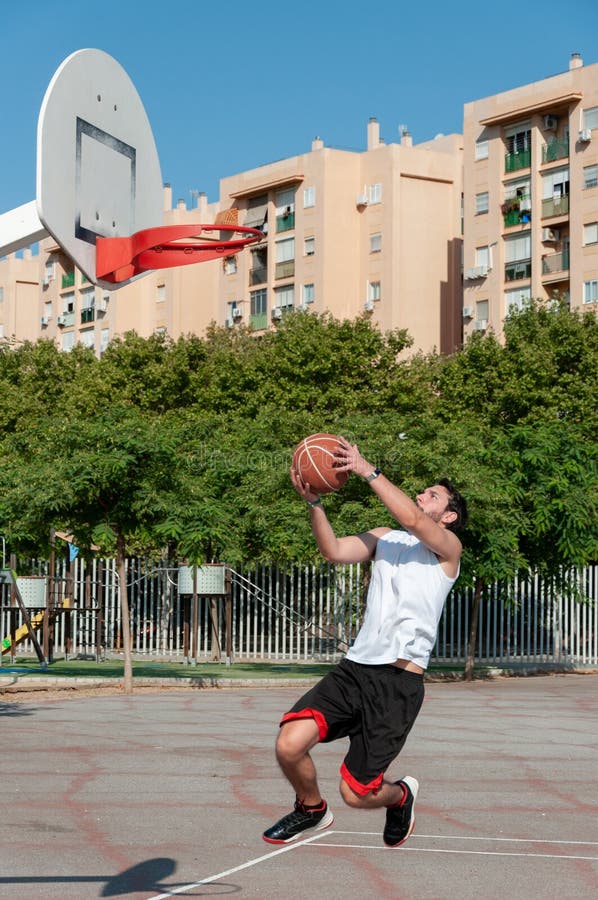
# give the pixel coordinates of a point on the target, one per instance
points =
(434, 502)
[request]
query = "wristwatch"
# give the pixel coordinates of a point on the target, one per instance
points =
(373, 475)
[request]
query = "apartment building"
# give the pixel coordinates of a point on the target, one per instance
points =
(531, 196)
(374, 233)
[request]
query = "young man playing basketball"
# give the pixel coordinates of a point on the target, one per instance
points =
(373, 696)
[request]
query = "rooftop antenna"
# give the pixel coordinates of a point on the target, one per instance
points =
(403, 129)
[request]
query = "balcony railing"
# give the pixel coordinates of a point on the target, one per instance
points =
(68, 280)
(258, 321)
(285, 269)
(87, 315)
(516, 271)
(519, 160)
(556, 262)
(555, 150)
(516, 211)
(258, 275)
(555, 206)
(285, 222)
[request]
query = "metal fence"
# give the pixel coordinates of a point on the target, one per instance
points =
(301, 613)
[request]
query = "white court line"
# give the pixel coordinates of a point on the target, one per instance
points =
(468, 837)
(247, 865)
(467, 852)
(326, 834)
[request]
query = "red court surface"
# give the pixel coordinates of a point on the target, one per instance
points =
(166, 793)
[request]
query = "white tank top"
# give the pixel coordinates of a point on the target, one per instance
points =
(404, 604)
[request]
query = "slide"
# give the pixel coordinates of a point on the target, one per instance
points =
(23, 632)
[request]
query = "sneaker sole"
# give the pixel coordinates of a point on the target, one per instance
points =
(326, 822)
(413, 785)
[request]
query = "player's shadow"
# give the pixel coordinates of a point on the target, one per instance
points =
(150, 876)
(14, 709)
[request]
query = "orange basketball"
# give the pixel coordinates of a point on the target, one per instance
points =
(313, 459)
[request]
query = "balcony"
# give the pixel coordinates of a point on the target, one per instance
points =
(285, 269)
(555, 150)
(87, 315)
(285, 222)
(518, 160)
(555, 263)
(555, 206)
(258, 321)
(68, 280)
(258, 275)
(518, 270)
(516, 211)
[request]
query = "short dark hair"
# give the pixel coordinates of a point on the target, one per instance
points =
(456, 504)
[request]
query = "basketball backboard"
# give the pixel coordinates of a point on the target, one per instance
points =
(98, 173)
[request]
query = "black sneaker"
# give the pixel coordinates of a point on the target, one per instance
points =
(292, 826)
(401, 819)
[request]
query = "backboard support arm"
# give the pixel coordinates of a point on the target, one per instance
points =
(20, 228)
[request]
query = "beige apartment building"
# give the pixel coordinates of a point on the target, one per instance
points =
(531, 196)
(374, 233)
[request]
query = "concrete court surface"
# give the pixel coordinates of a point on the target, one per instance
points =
(166, 793)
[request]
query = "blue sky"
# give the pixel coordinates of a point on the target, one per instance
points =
(233, 89)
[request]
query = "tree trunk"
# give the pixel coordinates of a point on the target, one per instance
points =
(125, 615)
(473, 628)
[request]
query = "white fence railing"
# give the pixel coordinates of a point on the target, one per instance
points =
(300, 613)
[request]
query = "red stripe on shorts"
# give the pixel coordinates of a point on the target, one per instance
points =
(357, 786)
(308, 713)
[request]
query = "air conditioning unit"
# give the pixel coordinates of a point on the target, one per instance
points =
(101, 305)
(362, 200)
(550, 234)
(277, 313)
(229, 322)
(61, 320)
(550, 123)
(302, 307)
(476, 272)
(468, 312)
(585, 135)
(480, 325)
(237, 312)
(45, 320)
(368, 305)
(46, 281)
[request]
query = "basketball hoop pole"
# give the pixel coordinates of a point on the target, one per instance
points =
(121, 258)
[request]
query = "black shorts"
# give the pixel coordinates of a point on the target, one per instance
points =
(374, 706)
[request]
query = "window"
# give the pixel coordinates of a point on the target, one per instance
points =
(87, 338)
(285, 258)
(68, 302)
(67, 341)
(375, 243)
(1, 295)
(590, 117)
(481, 203)
(481, 150)
(309, 197)
(590, 233)
(285, 250)
(104, 339)
(518, 138)
(590, 176)
(375, 193)
(48, 309)
(309, 293)
(556, 184)
(1, 330)
(517, 298)
(160, 293)
(518, 247)
(374, 290)
(284, 297)
(309, 246)
(590, 291)
(481, 311)
(482, 258)
(285, 209)
(258, 302)
(87, 305)
(230, 265)
(49, 271)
